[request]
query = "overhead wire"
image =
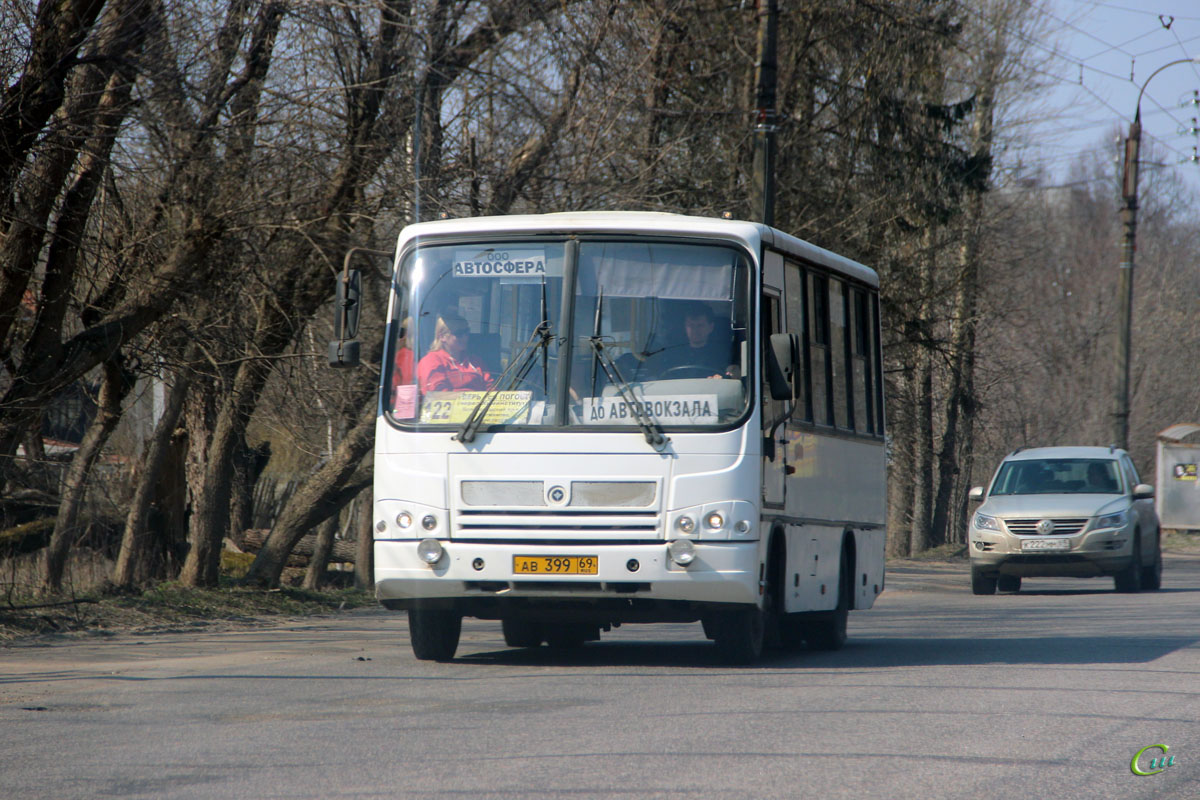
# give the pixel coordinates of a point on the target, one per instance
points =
(1081, 63)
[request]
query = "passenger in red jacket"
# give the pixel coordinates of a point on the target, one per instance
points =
(404, 355)
(448, 366)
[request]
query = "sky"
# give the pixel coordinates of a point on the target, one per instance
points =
(1100, 54)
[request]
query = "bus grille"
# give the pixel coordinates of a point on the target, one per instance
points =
(557, 509)
(525, 524)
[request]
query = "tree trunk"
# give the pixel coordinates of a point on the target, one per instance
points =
(314, 578)
(961, 401)
(133, 559)
(922, 443)
(28, 104)
(900, 470)
(342, 552)
(323, 494)
(115, 386)
(364, 556)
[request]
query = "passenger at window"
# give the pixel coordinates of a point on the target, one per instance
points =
(403, 363)
(449, 366)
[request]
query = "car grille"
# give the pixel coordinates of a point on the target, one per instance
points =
(1062, 526)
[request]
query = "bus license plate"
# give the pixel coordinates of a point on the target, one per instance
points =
(1045, 544)
(555, 565)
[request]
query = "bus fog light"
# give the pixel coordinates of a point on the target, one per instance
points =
(430, 551)
(742, 526)
(404, 520)
(477, 564)
(714, 521)
(685, 524)
(682, 552)
(429, 522)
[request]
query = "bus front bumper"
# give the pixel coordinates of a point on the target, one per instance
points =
(721, 573)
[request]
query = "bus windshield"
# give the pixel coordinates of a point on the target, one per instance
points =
(477, 329)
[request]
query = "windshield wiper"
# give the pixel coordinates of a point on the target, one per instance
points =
(653, 433)
(512, 376)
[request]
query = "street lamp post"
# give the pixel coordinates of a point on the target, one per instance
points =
(1129, 196)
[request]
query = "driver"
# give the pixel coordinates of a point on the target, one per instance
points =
(449, 366)
(708, 357)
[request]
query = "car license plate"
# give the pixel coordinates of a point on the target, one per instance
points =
(1045, 544)
(555, 565)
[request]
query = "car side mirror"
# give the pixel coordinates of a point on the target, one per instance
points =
(1143, 491)
(975, 494)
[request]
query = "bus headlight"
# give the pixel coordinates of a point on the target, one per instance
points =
(714, 521)
(682, 552)
(404, 520)
(430, 551)
(685, 524)
(429, 522)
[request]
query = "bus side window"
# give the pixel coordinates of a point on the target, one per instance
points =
(818, 348)
(860, 360)
(838, 354)
(794, 290)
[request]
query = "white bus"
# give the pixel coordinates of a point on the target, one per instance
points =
(592, 419)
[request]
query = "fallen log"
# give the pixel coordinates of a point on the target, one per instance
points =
(252, 540)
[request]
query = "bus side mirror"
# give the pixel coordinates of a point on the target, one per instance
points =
(347, 308)
(782, 356)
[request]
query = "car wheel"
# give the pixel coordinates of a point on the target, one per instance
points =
(519, 633)
(1152, 575)
(1129, 580)
(981, 582)
(1008, 583)
(434, 633)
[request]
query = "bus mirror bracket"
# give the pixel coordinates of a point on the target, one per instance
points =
(347, 309)
(782, 355)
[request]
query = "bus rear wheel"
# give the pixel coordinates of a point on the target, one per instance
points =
(434, 633)
(829, 631)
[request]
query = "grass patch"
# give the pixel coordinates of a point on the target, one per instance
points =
(1181, 540)
(944, 552)
(171, 606)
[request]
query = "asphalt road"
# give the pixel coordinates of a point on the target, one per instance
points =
(1048, 693)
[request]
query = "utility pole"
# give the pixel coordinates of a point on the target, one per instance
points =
(1129, 197)
(1129, 206)
(765, 119)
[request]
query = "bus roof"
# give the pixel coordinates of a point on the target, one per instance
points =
(752, 234)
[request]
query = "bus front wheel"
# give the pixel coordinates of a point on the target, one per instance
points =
(739, 634)
(434, 633)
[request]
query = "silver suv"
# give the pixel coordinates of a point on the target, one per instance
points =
(1065, 512)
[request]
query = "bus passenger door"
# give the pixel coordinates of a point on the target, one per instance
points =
(774, 430)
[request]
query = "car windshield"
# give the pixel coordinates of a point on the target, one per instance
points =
(1058, 476)
(657, 335)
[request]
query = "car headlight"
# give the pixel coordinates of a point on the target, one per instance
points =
(1116, 520)
(985, 523)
